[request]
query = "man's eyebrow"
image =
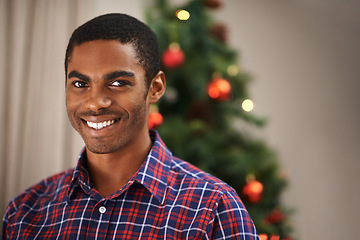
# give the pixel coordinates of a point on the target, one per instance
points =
(116, 74)
(76, 74)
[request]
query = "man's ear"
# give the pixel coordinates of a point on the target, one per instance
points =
(157, 87)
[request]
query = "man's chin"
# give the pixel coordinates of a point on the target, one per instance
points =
(101, 149)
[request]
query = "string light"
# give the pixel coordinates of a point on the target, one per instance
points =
(182, 14)
(233, 70)
(247, 105)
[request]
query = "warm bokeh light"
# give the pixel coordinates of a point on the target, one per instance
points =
(253, 191)
(275, 237)
(256, 187)
(219, 89)
(233, 70)
(214, 92)
(155, 119)
(247, 105)
(263, 237)
(182, 14)
(174, 46)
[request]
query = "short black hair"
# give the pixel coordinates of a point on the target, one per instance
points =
(125, 29)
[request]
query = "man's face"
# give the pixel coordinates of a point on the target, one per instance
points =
(106, 96)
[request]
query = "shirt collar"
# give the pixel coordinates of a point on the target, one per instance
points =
(80, 176)
(153, 173)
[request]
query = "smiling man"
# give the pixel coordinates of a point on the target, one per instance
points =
(127, 184)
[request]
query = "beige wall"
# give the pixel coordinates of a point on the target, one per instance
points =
(305, 59)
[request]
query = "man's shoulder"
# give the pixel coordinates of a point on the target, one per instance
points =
(198, 176)
(46, 188)
(53, 182)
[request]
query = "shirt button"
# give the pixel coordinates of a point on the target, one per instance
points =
(102, 209)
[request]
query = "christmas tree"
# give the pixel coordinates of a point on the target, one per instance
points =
(206, 94)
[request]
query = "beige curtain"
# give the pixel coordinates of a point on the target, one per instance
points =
(36, 138)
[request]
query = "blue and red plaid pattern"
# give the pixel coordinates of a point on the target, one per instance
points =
(167, 198)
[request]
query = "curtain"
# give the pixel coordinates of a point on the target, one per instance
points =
(36, 137)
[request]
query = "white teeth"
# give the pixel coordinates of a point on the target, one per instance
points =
(100, 125)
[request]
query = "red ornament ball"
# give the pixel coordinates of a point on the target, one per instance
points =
(219, 31)
(173, 57)
(276, 216)
(219, 89)
(263, 236)
(155, 120)
(213, 3)
(253, 191)
(274, 237)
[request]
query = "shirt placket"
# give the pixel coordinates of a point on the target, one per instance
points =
(100, 220)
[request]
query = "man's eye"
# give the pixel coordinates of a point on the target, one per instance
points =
(119, 83)
(79, 84)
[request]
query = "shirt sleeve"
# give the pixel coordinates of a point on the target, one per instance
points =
(10, 209)
(231, 220)
(4, 226)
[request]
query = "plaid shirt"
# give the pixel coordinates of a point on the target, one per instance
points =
(166, 199)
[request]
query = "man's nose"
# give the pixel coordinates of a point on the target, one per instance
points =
(98, 99)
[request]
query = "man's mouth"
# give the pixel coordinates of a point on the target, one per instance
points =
(100, 125)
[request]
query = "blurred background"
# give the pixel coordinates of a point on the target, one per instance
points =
(303, 55)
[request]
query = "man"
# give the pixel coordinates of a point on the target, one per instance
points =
(127, 184)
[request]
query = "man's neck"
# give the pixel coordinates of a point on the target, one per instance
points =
(110, 172)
